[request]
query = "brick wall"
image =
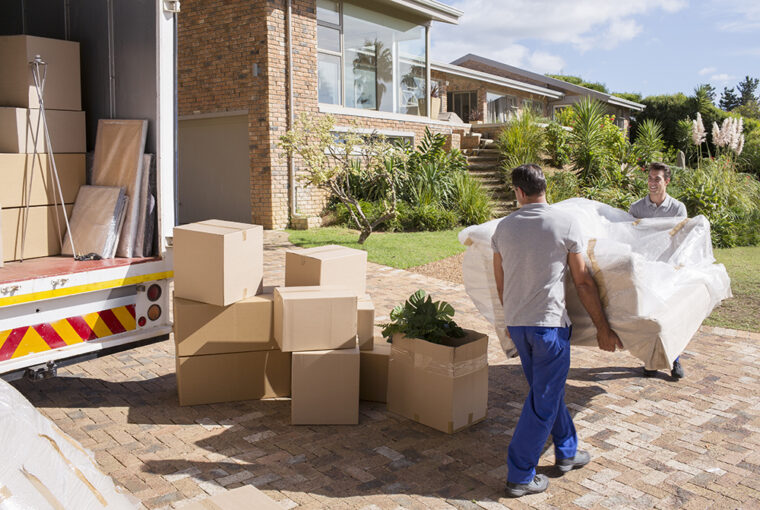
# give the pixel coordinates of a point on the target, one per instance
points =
(219, 43)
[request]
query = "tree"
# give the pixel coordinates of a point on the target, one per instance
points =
(329, 162)
(577, 80)
(729, 100)
(704, 95)
(630, 96)
(747, 88)
(707, 90)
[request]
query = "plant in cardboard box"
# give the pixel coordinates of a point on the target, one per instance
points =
(437, 371)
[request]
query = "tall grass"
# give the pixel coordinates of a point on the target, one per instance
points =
(521, 141)
(473, 203)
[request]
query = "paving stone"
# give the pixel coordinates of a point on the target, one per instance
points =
(655, 443)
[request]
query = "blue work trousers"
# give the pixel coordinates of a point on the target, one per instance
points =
(545, 356)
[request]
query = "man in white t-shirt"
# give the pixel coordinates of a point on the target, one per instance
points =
(658, 204)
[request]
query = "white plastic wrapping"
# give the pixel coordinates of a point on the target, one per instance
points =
(657, 278)
(43, 468)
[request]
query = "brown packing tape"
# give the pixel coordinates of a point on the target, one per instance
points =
(44, 491)
(468, 242)
(76, 471)
(5, 493)
(678, 227)
(637, 222)
(598, 276)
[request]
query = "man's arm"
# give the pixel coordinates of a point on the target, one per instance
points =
(498, 274)
(589, 296)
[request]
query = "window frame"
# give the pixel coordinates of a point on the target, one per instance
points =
(339, 54)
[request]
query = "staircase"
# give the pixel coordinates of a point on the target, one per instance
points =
(485, 165)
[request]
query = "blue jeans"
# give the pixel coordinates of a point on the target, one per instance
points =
(545, 357)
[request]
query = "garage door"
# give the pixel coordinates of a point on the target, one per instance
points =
(214, 172)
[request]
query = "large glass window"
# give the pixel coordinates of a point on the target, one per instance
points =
(501, 107)
(381, 59)
(464, 104)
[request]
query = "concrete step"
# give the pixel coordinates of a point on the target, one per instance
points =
(483, 159)
(484, 165)
(489, 144)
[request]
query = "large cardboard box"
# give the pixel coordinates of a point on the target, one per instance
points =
(17, 171)
(373, 376)
(63, 89)
(325, 387)
(327, 265)
(18, 131)
(201, 328)
(442, 386)
(229, 377)
(246, 497)
(314, 318)
(365, 322)
(43, 239)
(218, 262)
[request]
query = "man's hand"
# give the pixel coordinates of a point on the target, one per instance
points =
(608, 340)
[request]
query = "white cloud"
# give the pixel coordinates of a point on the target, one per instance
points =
(498, 29)
(743, 15)
(706, 70)
(722, 78)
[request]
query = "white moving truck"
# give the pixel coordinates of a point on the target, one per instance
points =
(54, 310)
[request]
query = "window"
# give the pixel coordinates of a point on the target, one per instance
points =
(537, 107)
(501, 107)
(464, 104)
(370, 60)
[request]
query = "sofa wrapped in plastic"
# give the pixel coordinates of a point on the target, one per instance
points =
(41, 467)
(657, 279)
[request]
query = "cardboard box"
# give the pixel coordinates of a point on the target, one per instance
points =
(242, 498)
(441, 386)
(330, 265)
(373, 375)
(200, 328)
(325, 387)
(314, 318)
(18, 127)
(229, 377)
(365, 322)
(43, 239)
(218, 262)
(18, 170)
(63, 90)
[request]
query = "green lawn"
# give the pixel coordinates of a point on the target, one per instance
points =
(397, 249)
(743, 311)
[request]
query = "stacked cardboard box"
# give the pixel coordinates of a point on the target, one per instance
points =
(28, 180)
(223, 327)
(317, 317)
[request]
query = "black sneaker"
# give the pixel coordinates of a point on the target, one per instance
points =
(677, 372)
(649, 373)
(539, 484)
(581, 458)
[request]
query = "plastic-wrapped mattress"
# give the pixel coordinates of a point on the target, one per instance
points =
(41, 467)
(657, 278)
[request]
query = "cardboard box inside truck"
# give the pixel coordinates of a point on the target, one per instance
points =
(218, 378)
(325, 389)
(314, 318)
(18, 131)
(441, 386)
(18, 171)
(201, 328)
(329, 265)
(42, 236)
(218, 262)
(63, 90)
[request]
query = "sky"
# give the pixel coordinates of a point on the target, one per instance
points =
(648, 46)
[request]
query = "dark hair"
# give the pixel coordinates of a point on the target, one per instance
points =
(660, 167)
(530, 179)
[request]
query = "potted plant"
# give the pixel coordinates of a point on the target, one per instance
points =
(437, 371)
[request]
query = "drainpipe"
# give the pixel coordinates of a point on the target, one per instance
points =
(291, 113)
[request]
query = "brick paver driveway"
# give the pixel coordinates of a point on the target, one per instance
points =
(655, 443)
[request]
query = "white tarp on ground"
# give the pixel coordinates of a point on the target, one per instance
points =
(43, 468)
(657, 278)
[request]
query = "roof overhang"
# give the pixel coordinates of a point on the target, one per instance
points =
(619, 101)
(428, 9)
(465, 72)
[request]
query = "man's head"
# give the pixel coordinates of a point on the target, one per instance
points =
(659, 178)
(529, 181)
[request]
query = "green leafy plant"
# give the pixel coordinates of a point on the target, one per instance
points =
(561, 186)
(649, 144)
(521, 141)
(473, 203)
(421, 317)
(556, 144)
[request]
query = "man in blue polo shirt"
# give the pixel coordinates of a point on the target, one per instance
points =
(658, 204)
(533, 249)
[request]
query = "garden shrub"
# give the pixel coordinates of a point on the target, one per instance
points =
(521, 141)
(561, 186)
(556, 144)
(428, 217)
(472, 202)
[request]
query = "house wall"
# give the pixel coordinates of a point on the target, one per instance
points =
(233, 57)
